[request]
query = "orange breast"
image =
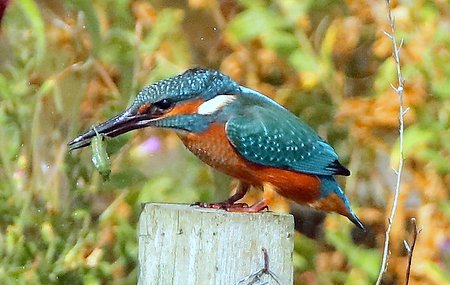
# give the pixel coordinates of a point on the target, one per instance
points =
(213, 148)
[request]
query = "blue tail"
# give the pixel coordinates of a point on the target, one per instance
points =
(330, 186)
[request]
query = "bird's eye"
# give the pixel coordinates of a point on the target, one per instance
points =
(157, 108)
(163, 105)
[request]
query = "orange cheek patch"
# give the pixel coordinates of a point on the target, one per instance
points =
(186, 108)
(143, 109)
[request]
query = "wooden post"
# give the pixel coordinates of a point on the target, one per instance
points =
(182, 244)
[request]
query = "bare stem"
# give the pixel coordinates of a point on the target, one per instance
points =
(410, 248)
(255, 278)
(399, 90)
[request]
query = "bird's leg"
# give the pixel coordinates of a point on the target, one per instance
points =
(241, 190)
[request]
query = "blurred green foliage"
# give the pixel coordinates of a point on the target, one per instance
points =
(65, 65)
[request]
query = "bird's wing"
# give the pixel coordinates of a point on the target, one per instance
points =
(279, 139)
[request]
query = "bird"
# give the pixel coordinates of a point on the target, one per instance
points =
(240, 132)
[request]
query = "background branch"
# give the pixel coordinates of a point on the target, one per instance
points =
(399, 90)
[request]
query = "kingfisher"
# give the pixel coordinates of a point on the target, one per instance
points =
(240, 132)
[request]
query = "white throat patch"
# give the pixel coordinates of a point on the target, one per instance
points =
(215, 104)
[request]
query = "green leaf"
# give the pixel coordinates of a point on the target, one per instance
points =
(283, 43)
(305, 250)
(441, 87)
(252, 23)
(387, 74)
(300, 262)
(426, 143)
(292, 10)
(303, 61)
(415, 140)
(5, 89)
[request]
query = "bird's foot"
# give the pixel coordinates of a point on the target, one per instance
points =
(255, 208)
(235, 207)
(225, 205)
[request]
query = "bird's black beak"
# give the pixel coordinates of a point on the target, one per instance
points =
(117, 125)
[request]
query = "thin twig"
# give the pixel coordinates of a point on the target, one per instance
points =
(399, 90)
(410, 248)
(255, 277)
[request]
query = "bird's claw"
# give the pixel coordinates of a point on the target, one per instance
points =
(234, 207)
(227, 206)
(252, 209)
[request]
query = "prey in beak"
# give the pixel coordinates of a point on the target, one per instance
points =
(135, 117)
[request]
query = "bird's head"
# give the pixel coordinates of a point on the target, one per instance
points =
(185, 102)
